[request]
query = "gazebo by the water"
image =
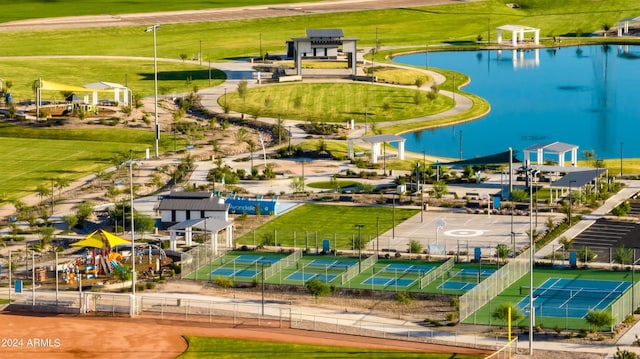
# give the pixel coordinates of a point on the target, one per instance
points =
(517, 33)
(556, 148)
(375, 142)
(623, 24)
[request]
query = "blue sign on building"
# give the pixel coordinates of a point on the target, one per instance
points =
(250, 205)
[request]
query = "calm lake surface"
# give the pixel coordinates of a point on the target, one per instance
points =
(587, 96)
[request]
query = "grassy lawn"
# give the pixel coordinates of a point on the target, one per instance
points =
(33, 9)
(173, 77)
(200, 347)
(32, 157)
(336, 102)
(312, 221)
(452, 24)
(400, 76)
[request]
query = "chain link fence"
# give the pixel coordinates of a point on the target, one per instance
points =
(489, 288)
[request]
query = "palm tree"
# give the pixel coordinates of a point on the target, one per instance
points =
(60, 183)
(43, 191)
(252, 148)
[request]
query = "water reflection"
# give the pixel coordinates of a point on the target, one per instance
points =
(582, 95)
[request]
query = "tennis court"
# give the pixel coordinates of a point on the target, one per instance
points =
(465, 279)
(243, 266)
(252, 259)
(325, 270)
(230, 272)
(571, 298)
(397, 275)
(407, 268)
(389, 282)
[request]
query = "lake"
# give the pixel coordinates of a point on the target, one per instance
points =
(584, 96)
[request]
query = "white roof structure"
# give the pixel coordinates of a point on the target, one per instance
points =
(623, 25)
(517, 33)
(112, 86)
(557, 148)
(375, 142)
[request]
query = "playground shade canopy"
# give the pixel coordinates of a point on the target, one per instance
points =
(100, 239)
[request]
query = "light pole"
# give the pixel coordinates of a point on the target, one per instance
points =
(531, 252)
(360, 226)
(155, 83)
(133, 240)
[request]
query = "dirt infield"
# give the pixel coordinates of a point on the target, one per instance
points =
(25, 335)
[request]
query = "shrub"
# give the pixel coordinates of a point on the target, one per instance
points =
(404, 297)
(223, 282)
(150, 285)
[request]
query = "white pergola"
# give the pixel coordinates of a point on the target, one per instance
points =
(623, 25)
(375, 142)
(208, 225)
(517, 33)
(557, 148)
(117, 89)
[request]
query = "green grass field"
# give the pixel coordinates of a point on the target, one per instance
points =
(33, 9)
(32, 157)
(312, 221)
(451, 24)
(199, 347)
(173, 77)
(337, 102)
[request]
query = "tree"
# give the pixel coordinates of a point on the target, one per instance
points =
(252, 148)
(46, 234)
(137, 101)
(418, 98)
(588, 156)
(43, 191)
(297, 184)
(598, 318)
(586, 255)
(61, 183)
(241, 135)
(501, 313)
(440, 188)
(623, 255)
(419, 81)
(84, 210)
(624, 354)
(72, 220)
(318, 288)
(415, 246)
(503, 252)
(143, 223)
(519, 195)
(242, 89)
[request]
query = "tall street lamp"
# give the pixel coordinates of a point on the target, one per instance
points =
(133, 240)
(155, 82)
(531, 257)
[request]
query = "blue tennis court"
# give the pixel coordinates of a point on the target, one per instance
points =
(299, 276)
(407, 268)
(457, 285)
(230, 272)
(251, 259)
(572, 298)
(329, 264)
(387, 282)
(473, 272)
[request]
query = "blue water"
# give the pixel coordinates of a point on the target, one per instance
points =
(587, 96)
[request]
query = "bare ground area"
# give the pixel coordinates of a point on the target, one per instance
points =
(71, 336)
